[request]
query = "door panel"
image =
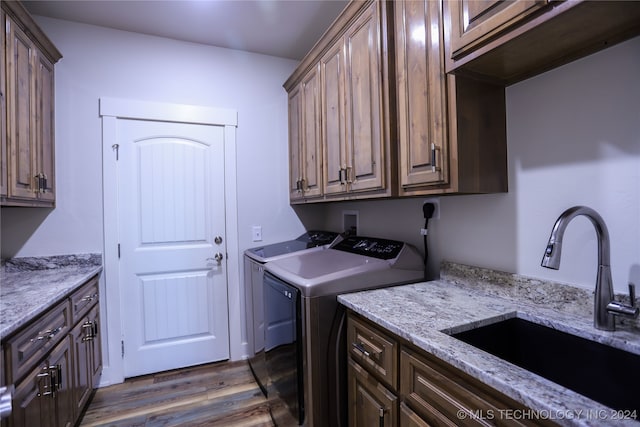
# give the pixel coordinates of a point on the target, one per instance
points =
(22, 139)
(421, 93)
(364, 119)
(171, 208)
(332, 94)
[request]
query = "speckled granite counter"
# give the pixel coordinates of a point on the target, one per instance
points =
(466, 297)
(28, 286)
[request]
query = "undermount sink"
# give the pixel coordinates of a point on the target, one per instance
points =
(602, 373)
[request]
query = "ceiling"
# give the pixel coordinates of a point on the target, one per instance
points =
(283, 28)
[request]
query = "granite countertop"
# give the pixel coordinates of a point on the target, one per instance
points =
(466, 297)
(29, 286)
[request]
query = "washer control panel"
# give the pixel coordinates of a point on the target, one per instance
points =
(370, 246)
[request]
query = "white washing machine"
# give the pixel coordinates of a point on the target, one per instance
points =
(254, 260)
(305, 350)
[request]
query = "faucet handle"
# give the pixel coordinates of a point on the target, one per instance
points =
(620, 309)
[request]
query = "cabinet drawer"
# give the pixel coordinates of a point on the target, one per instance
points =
(84, 298)
(439, 392)
(25, 349)
(374, 350)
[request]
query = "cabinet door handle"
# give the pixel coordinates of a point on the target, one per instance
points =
(88, 329)
(44, 183)
(38, 183)
(49, 381)
(381, 416)
(434, 158)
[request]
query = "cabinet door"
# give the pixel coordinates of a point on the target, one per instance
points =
(305, 150)
(3, 108)
(44, 125)
(295, 143)
(333, 119)
(95, 347)
(408, 418)
(364, 134)
(474, 22)
(82, 366)
(421, 93)
(21, 153)
(87, 358)
(63, 399)
(29, 408)
(370, 403)
(44, 397)
(311, 141)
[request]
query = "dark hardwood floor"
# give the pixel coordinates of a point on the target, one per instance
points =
(218, 394)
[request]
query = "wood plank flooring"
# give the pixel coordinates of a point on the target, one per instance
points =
(218, 394)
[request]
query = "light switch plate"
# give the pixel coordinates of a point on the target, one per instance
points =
(256, 233)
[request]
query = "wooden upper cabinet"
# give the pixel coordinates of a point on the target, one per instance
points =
(22, 155)
(474, 22)
(354, 117)
(28, 163)
(305, 152)
(509, 41)
(421, 94)
(3, 109)
(365, 134)
(44, 125)
(451, 130)
(332, 70)
(352, 108)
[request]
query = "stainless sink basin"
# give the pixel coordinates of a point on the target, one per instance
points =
(605, 374)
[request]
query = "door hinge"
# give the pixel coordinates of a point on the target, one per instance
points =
(122, 347)
(118, 250)
(116, 148)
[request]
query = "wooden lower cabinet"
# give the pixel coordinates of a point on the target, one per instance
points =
(45, 396)
(87, 357)
(428, 391)
(55, 362)
(370, 402)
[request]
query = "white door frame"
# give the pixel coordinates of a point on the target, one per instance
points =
(112, 109)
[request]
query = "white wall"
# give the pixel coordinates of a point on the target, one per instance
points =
(573, 139)
(99, 62)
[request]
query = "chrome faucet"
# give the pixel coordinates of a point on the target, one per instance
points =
(605, 307)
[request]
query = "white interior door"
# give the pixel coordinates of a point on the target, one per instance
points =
(171, 229)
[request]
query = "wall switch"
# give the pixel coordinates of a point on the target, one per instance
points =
(256, 233)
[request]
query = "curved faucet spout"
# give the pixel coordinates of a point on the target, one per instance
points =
(604, 286)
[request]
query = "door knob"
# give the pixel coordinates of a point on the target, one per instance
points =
(218, 257)
(217, 240)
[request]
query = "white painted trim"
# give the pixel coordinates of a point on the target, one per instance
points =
(113, 368)
(235, 288)
(111, 110)
(181, 113)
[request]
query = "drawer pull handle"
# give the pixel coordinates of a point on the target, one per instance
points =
(89, 298)
(47, 335)
(361, 349)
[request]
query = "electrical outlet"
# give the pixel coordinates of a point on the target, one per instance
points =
(436, 204)
(256, 233)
